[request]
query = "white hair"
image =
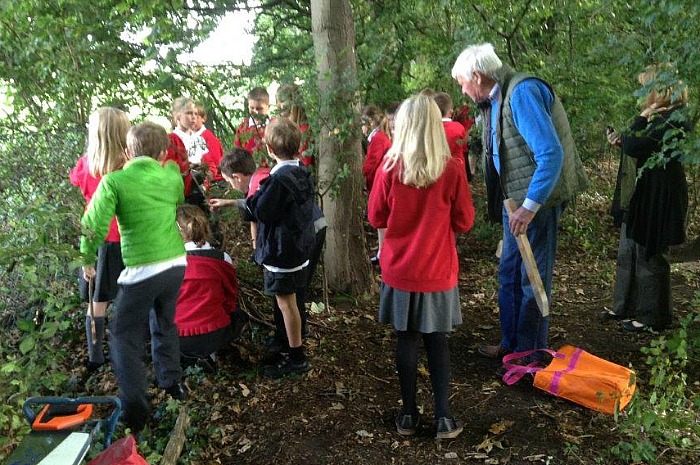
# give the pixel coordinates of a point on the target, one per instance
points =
(481, 58)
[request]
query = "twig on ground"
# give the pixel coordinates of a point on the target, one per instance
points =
(375, 377)
(177, 438)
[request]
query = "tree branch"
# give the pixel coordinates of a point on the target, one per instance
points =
(480, 12)
(519, 19)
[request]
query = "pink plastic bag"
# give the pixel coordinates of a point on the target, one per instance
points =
(122, 452)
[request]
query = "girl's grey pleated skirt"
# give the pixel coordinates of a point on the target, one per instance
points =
(424, 312)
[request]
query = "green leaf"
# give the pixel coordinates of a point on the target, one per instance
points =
(9, 367)
(27, 345)
(25, 325)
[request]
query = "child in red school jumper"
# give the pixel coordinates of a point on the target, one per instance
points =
(209, 293)
(463, 117)
(419, 294)
(251, 131)
(184, 115)
(106, 152)
(378, 142)
(215, 151)
(143, 195)
(378, 145)
(290, 106)
(283, 209)
(454, 131)
(389, 120)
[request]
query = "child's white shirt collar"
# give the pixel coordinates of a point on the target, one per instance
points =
(294, 162)
(372, 134)
(252, 122)
(193, 246)
(182, 134)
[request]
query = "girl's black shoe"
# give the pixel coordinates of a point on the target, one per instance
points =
(177, 391)
(448, 428)
(285, 367)
(406, 425)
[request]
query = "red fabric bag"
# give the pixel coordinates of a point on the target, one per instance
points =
(578, 376)
(122, 452)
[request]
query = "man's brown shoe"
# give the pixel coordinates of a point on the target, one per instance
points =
(493, 351)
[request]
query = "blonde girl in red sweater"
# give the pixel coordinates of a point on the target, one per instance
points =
(106, 152)
(420, 195)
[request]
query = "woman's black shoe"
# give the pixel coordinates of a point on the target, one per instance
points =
(609, 315)
(634, 326)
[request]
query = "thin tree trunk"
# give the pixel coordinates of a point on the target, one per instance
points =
(340, 151)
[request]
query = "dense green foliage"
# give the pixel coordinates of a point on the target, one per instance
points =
(60, 60)
(37, 280)
(666, 417)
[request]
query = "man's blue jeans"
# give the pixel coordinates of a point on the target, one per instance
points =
(522, 325)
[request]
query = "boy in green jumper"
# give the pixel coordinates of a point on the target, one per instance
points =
(143, 196)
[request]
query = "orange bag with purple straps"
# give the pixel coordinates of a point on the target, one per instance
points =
(578, 376)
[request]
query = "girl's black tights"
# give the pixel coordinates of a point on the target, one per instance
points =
(438, 353)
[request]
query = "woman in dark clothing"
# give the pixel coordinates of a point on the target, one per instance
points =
(653, 209)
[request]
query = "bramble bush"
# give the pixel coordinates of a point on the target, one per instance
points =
(37, 272)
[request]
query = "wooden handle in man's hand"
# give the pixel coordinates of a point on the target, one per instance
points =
(533, 273)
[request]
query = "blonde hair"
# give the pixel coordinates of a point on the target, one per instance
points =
(200, 109)
(106, 147)
(193, 224)
(289, 103)
(178, 107)
(660, 93)
(420, 147)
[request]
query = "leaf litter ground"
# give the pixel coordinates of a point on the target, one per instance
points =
(342, 411)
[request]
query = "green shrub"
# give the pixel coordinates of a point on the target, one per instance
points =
(666, 416)
(37, 271)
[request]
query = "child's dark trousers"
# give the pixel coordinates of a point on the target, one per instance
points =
(143, 308)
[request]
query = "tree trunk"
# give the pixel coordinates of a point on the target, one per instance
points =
(340, 151)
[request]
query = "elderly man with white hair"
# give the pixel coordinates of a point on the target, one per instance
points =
(530, 156)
